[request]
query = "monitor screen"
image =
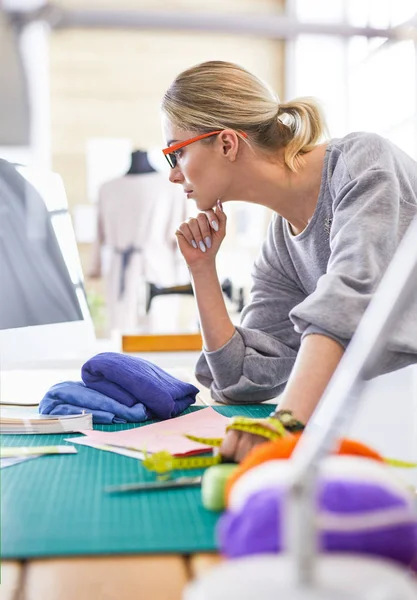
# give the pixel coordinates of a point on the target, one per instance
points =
(42, 296)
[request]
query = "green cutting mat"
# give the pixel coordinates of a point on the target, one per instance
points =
(55, 505)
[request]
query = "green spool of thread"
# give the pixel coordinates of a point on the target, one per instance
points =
(213, 486)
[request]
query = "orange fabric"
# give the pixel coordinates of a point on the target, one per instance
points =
(283, 448)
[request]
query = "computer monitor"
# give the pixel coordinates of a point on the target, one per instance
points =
(44, 316)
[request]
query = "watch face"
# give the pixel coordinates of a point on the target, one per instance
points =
(285, 416)
(289, 421)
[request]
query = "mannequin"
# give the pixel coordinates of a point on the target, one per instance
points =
(137, 217)
(139, 163)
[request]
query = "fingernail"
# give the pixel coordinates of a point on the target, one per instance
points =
(215, 225)
(219, 204)
(202, 246)
(194, 245)
(208, 242)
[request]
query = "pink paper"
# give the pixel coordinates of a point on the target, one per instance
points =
(168, 435)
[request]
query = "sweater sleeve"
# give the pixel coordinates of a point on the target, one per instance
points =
(254, 365)
(370, 216)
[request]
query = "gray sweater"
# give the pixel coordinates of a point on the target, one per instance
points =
(322, 280)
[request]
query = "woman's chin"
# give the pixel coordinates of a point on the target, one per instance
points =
(204, 205)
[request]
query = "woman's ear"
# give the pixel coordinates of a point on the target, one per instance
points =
(229, 141)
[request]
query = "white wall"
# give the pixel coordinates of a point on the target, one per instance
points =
(387, 419)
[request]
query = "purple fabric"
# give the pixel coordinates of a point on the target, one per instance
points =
(357, 496)
(257, 527)
(131, 380)
(73, 397)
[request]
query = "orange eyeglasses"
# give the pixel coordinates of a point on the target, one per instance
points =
(169, 152)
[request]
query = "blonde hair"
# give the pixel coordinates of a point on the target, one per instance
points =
(221, 95)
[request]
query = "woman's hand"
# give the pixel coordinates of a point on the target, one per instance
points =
(237, 444)
(199, 238)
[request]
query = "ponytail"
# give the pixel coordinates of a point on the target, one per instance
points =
(304, 119)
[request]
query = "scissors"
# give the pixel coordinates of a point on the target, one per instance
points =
(144, 486)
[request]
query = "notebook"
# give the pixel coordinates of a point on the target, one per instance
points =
(27, 420)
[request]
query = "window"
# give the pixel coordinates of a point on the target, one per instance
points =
(364, 83)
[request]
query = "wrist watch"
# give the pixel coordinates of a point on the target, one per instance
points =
(287, 419)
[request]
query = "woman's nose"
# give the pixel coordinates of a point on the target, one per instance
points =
(176, 176)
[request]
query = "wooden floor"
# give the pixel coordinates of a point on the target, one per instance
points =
(102, 578)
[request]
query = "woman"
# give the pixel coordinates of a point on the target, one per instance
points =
(340, 207)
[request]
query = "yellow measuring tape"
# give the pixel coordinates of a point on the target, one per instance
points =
(163, 462)
(402, 464)
(271, 429)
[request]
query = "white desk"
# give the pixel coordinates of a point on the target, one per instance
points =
(388, 421)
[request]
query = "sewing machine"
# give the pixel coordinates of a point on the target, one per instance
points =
(227, 288)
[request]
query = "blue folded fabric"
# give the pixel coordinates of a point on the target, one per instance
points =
(72, 397)
(130, 380)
